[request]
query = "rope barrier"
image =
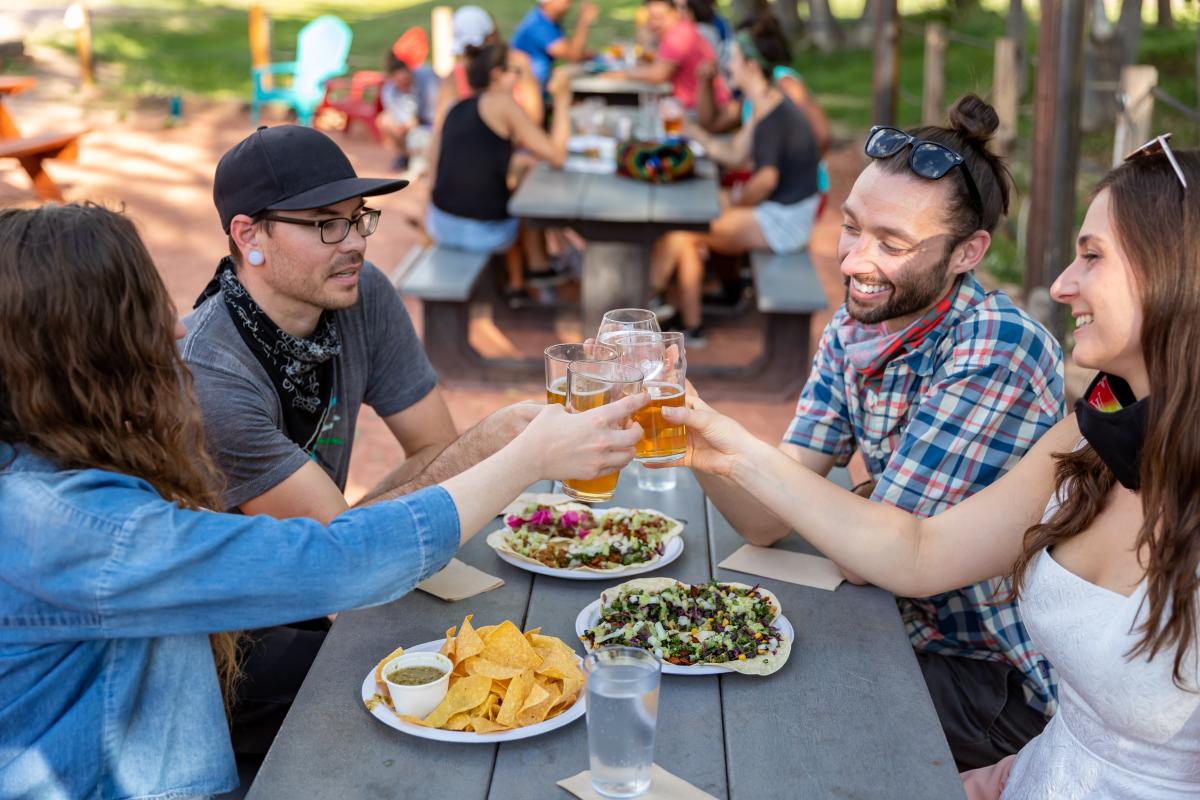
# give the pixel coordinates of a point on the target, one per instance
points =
(1178, 105)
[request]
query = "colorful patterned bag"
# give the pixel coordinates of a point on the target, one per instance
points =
(655, 162)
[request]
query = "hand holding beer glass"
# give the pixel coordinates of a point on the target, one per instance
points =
(591, 384)
(661, 359)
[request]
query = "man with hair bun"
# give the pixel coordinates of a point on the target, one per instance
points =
(942, 387)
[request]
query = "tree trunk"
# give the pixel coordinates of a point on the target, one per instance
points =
(789, 18)
(822, 26)
(1129, 30)
(1164, 14)
(744, 11)
(863, 32)
(1101, 68)
(1016, 32)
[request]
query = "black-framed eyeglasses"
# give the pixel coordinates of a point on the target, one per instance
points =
(1159, 144)
(335, 230)
(927, 159)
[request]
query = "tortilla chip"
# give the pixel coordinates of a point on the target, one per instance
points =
(484, 725)
(518, 689)
(508, 646)
(458, 722)
(447, 648)
(534, 713)
(478, 665)
(468, 642)
(380, 684)
(465, 694)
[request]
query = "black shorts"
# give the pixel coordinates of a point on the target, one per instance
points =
(982, 708)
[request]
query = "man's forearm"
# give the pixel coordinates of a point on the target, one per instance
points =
(407, 473)
(578, 44)
(751, 519)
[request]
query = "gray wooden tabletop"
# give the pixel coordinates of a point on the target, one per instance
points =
(601, 85)
(562, 197)
(847, 716)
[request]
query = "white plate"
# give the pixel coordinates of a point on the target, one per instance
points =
(673, 550)
(389, 718)
(591, 615)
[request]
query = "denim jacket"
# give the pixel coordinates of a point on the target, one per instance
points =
(108, 593)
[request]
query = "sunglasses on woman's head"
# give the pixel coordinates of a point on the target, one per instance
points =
(928, 159)
(1159, 145)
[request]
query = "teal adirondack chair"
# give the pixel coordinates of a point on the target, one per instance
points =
(321, 50)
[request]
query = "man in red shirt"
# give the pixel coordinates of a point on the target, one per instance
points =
(681, 51)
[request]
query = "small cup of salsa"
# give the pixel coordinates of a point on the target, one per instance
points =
(417, 682)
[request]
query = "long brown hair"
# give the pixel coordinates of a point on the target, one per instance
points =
(1157, 223)
(89, 373)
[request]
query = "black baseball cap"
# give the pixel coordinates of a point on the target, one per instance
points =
(288, 168)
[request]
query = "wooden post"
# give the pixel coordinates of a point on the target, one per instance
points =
(260, 41)
(886, 72)
(1164, 14)
(1055, 150)
(933, 96)
(1016, 32)
(1006, 91)
(1136, 116)
(442, 26)
(79, 19)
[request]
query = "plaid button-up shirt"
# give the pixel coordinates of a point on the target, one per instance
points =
(946, 419)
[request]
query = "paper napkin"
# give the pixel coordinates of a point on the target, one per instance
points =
(458, 581)
(543, 498)
(663, 786)
(784, 565)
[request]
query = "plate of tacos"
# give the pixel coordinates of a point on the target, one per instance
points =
(694, 629)
(574, 541)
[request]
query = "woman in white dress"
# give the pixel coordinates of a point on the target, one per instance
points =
(1099, 524)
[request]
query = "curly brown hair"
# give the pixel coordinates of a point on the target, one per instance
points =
(1157, 223)
(89, 373)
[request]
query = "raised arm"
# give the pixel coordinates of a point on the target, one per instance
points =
(575, 48)
(550, 148)
(977, 539)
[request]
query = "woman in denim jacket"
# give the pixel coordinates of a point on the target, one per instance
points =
(117, 587)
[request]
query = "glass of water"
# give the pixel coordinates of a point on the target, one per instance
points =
(622, 712)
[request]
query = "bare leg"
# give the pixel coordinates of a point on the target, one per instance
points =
(690, 278)
(515, 264)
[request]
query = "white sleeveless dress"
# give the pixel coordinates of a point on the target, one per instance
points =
(1123, 729)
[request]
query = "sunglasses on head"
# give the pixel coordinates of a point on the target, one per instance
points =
(928, 159)
(1159, 145)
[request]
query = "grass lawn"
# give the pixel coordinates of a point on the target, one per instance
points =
(199, 48)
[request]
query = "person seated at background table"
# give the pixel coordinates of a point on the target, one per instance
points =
(473, 28)
(408, 95)
(681, 50)
(775, 209)
(291, 337)
(118, 586)
(941, 387)
(540, 36)
(1095, 528)
(714, 28)
(739, 111)
(468, 209)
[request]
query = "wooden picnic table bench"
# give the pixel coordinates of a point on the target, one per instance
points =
(32, 151)
(848, 715)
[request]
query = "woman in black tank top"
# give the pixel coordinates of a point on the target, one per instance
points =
(477, 137)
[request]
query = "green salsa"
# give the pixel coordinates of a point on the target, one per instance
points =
(415, 676)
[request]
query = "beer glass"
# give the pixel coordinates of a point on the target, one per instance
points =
(661, 359)
(627, 320)
(591, 384)
(559, 356)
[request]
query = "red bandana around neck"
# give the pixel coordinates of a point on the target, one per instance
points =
(910, 339)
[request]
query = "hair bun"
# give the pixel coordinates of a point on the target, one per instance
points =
(974, 119)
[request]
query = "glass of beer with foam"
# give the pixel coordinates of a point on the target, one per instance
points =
(591, 384)
(559, 356)
(661, 359)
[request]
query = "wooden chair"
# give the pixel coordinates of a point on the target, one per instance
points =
(358, 97)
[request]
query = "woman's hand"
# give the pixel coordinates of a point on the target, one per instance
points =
(714, 441)
(559, 84)
(563, 446)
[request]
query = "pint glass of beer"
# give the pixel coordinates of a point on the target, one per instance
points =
(591, 384)
(661, 359)
(558, 356)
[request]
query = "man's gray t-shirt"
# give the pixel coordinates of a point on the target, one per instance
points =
(382, 364)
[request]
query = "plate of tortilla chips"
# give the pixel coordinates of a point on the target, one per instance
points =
(505, 685)
(694, 629)
(575, 541)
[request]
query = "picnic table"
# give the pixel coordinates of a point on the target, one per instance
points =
(847, 716)
(620, 91)
(31, 151)
(621, 218)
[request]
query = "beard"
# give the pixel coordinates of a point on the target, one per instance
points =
(916, 293)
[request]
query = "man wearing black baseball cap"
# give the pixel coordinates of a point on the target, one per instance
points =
(293, 334)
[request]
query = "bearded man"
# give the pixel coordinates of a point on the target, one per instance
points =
(941, 387)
